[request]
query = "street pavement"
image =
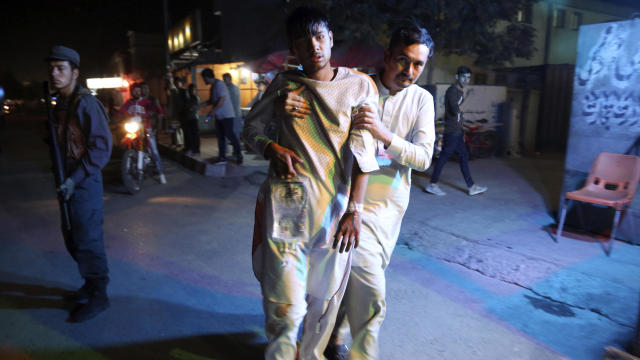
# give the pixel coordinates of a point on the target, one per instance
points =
(471, 278)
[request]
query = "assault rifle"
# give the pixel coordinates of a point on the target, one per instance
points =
(56, 160)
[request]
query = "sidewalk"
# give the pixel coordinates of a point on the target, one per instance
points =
(204, 164)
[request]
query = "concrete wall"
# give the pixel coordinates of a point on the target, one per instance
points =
(605, 111)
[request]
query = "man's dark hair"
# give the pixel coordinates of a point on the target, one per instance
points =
(463, 70)
(73, 66)
(226, 75)
(409, 33)
(134, 85)
(207, 73)
(304, 21)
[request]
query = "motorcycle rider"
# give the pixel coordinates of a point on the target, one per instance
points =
(144, 108)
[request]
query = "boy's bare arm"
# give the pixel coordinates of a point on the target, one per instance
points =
(350, 223)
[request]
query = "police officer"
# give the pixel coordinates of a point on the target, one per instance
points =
(85, 144)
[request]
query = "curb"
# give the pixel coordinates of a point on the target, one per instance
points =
(205, 166)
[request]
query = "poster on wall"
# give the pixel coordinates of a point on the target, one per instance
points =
(605, 114)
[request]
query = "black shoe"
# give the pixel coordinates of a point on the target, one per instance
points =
(91, 309)
(239, 159)
(80, 295)
(336, 352)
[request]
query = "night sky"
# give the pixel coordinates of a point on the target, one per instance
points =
(94, 28)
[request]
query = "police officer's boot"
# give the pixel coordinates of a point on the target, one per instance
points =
(80, 295)
(97, 302)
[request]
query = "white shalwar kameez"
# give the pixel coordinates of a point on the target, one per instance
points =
(409, 114)
(301, 276)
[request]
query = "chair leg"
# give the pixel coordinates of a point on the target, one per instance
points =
(616, 220)
(563, 214)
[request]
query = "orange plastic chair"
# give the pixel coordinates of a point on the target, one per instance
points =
(612, 182)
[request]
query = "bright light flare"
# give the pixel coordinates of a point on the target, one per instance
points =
(106, 83)
(132, 127)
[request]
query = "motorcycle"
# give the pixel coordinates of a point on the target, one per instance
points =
(481, 138)
(137, 162)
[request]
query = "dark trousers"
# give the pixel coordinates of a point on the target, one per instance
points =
(191, 135)
(453, 142)
(224, 130)
(86, 241)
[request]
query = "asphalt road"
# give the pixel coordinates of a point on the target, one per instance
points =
(472, 277)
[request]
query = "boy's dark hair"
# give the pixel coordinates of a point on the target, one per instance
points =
(207, 73)
(226, 75)
(463, 70)
(304, 21)
(409, 33)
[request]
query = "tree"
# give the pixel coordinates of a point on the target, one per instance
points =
(462, 27)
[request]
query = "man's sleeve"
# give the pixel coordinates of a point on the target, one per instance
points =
(417, 151)
(361, 141)
(260, 116)
(94, 122)
(222, 91)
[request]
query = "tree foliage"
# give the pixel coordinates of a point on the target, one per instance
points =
(483, 29)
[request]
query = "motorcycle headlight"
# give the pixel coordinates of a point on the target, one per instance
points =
(132, 126)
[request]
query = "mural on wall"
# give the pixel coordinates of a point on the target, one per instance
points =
(605, 112)
(609, 79)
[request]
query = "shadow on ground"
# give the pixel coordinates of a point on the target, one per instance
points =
(134, 327)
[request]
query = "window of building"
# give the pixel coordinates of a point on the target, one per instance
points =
(558, 18)
(576, 20)
(525, 15)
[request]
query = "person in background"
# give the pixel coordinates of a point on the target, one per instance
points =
(156, 117)
(192, 129)
(220, 100)
(453, 139)
(261, 85)
(234, 94)
(143, 107)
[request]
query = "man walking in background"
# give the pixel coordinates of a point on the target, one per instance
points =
(453, 140)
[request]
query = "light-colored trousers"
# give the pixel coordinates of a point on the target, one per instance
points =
(283, 320)
(364, 302)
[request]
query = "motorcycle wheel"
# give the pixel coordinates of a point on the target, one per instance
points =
(129, 168)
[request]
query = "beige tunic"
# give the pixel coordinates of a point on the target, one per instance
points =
(290, 267)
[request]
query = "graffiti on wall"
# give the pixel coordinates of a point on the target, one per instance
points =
(612, 108)
(608, 80)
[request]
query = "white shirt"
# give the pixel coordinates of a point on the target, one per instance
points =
(409, 114)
